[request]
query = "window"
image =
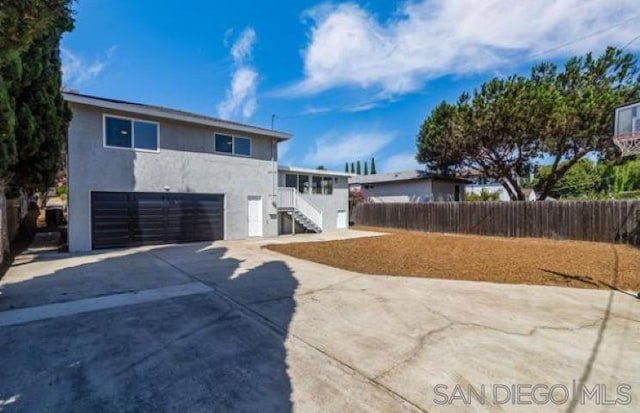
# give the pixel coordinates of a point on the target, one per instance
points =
(303, 184)
(118, 132)
(291, 181)
(317, 185)
(130, 133)
(242, 146)
(327, 185)
(145, 135)
(224, 143)
(310, 184)
(236, 145)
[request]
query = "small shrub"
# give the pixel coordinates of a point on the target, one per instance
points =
(484, 195)
(61, 190)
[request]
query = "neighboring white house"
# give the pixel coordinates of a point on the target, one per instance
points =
(409, 186)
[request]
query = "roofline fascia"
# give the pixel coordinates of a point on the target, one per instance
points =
(293, 169)
(159, 113)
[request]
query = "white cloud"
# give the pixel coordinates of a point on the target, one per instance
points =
(431, 38)
(404, 161)
(77, 71)
(338, 149)
(243, 47)
(283, 149)
(240, 99)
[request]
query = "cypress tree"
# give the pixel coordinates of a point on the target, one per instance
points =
(33, 114)
(358, 170)
(346, 167)
(353, 170)
(366, 169)
(373, 166)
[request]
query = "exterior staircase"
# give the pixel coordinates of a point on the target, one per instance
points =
(300, 210)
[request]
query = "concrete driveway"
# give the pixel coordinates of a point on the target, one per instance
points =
(230, 326)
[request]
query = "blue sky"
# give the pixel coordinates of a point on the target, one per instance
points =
(350, 80)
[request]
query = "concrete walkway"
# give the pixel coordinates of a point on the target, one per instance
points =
(231, 326)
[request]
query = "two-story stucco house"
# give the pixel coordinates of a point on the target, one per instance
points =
(141, 174)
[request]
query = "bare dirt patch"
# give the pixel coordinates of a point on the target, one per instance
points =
(464, 257)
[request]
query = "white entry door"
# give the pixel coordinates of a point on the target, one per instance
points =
(254, 210)
(341, 221)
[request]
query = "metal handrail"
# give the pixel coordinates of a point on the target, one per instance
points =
(309, 211)
(289, 198)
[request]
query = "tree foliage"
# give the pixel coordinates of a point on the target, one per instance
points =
(582, 178)
(484, 195)
(590, 180)
(373, 166)
(506, 125)
(33, 114)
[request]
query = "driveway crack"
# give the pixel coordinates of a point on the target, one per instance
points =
(422, 340)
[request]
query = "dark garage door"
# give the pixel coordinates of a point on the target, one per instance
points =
(127, 219)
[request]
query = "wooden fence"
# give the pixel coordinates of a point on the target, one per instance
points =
(602, 221)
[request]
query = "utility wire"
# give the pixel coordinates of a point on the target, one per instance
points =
(630, 42)
(346, 108)
(588, 36)
(553, 49)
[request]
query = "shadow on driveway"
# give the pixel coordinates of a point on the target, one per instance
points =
(200, 352)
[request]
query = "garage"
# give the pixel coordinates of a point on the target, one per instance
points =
(129, 219)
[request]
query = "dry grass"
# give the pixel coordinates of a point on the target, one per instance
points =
(465, 257)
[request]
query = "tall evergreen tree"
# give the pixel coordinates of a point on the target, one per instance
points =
(346, 167)
(353, 169)
(505, 126)
(366, 168)
(33, 114)
(358, 169)
(373, 166)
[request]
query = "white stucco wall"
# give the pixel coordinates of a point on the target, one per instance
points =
(329, 205)
(408, 191)
(424, 190)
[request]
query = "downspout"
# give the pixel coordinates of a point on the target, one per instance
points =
(274, 166)
(274, 181)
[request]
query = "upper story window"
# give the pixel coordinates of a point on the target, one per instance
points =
(237, 145)
(130, 133)
(291, 181)
(316, 186)
(242, 146)
(303, 184)
(327, 185)
(224, 143)
(309, 184)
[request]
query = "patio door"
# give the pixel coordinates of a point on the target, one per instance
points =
(254, 216)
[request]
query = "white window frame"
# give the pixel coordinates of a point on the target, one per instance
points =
(133, 133)
(233, 145)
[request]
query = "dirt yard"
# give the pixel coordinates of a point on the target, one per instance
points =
(464, 257)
